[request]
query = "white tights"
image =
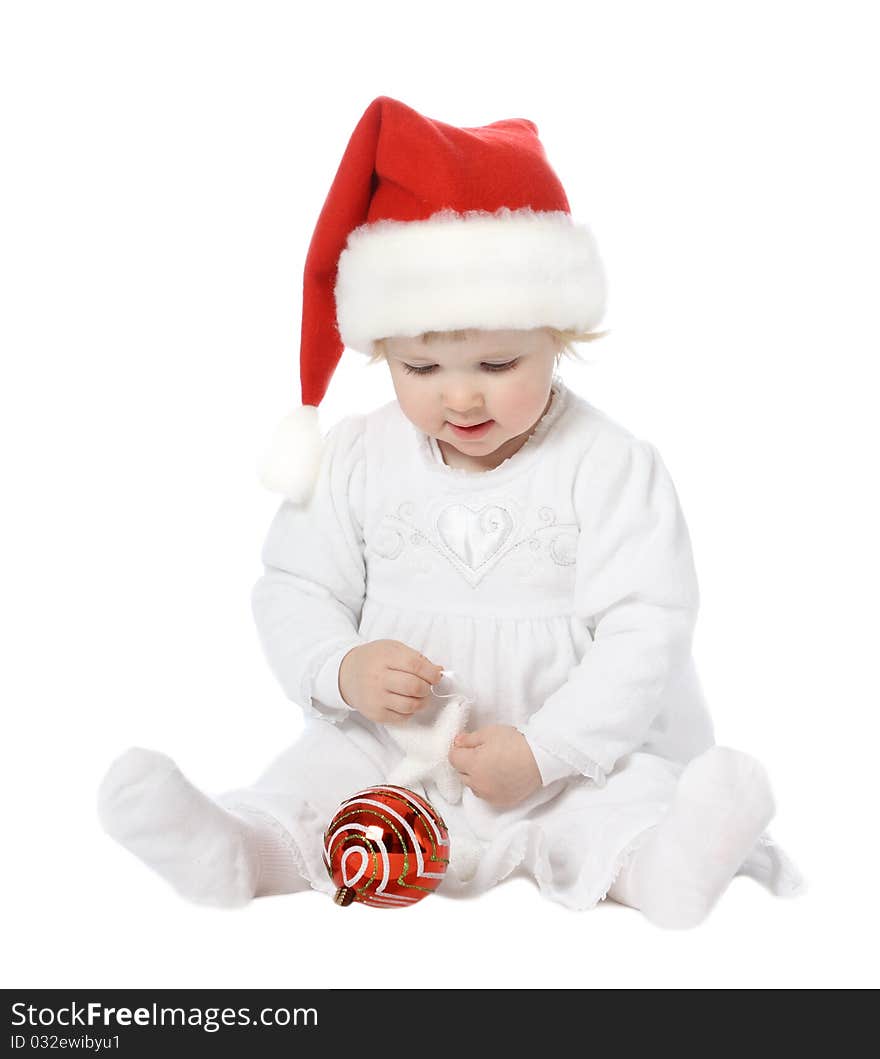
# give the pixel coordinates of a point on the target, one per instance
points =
(227, 854)
(720, 807)
(209, 853)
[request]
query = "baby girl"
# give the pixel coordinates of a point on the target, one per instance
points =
(483, 589)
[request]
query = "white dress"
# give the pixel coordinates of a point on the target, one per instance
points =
(558, 587)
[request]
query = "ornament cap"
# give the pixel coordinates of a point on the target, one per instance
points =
(344, 896)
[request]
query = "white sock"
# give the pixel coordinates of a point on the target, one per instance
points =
(720, 807)
(209, 854)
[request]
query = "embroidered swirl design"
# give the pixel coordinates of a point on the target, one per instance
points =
(475, 539)
(562, 547)
(389, 543)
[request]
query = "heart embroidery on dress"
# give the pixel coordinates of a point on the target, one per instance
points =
(474, 536)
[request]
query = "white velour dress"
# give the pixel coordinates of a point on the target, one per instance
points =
(559, 590)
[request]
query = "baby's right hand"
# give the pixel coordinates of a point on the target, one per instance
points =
(386, 680)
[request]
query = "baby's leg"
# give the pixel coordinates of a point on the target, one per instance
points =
(209, 854)
(720, 807)
(251, 842)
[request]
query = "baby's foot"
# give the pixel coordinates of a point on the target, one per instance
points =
(720, 807)
(146, 803)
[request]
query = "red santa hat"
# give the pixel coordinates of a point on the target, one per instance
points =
(430, 227)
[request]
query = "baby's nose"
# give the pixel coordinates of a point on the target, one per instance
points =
(463, 400)
(464, 413)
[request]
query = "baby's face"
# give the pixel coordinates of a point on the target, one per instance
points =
(498, 378)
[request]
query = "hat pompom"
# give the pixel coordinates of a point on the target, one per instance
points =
(294, 457)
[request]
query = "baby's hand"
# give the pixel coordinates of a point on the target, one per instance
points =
(497, 764)
(386, 680)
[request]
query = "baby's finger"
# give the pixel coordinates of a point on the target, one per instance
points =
(407, 684)
(460, 759)
(401, 707)
(411, 661)
(468, 739)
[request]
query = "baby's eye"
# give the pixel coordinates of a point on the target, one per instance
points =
(428, 368)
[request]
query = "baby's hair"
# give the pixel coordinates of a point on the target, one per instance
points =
(566, 338)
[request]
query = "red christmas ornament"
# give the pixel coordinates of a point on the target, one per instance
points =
(386, 847)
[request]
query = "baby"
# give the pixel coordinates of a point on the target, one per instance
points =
(490, 529)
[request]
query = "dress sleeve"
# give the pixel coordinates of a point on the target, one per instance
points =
(636, 588)
(550, 767)
(308, 603)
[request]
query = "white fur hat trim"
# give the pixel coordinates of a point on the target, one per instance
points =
(508, 270)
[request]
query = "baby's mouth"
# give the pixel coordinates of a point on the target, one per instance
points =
(474, 429)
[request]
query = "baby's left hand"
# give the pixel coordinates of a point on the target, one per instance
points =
(496, 763)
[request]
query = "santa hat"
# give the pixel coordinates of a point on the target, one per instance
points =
(430, 227)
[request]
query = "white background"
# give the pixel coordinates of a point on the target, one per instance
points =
(164, 166)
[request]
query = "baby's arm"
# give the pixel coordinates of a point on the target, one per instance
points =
(307, 604)
(636, 587)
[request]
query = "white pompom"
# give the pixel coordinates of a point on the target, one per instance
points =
(294, 457)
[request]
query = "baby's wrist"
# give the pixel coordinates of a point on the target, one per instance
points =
(328, 685)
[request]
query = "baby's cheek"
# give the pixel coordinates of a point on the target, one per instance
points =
(524, 405)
